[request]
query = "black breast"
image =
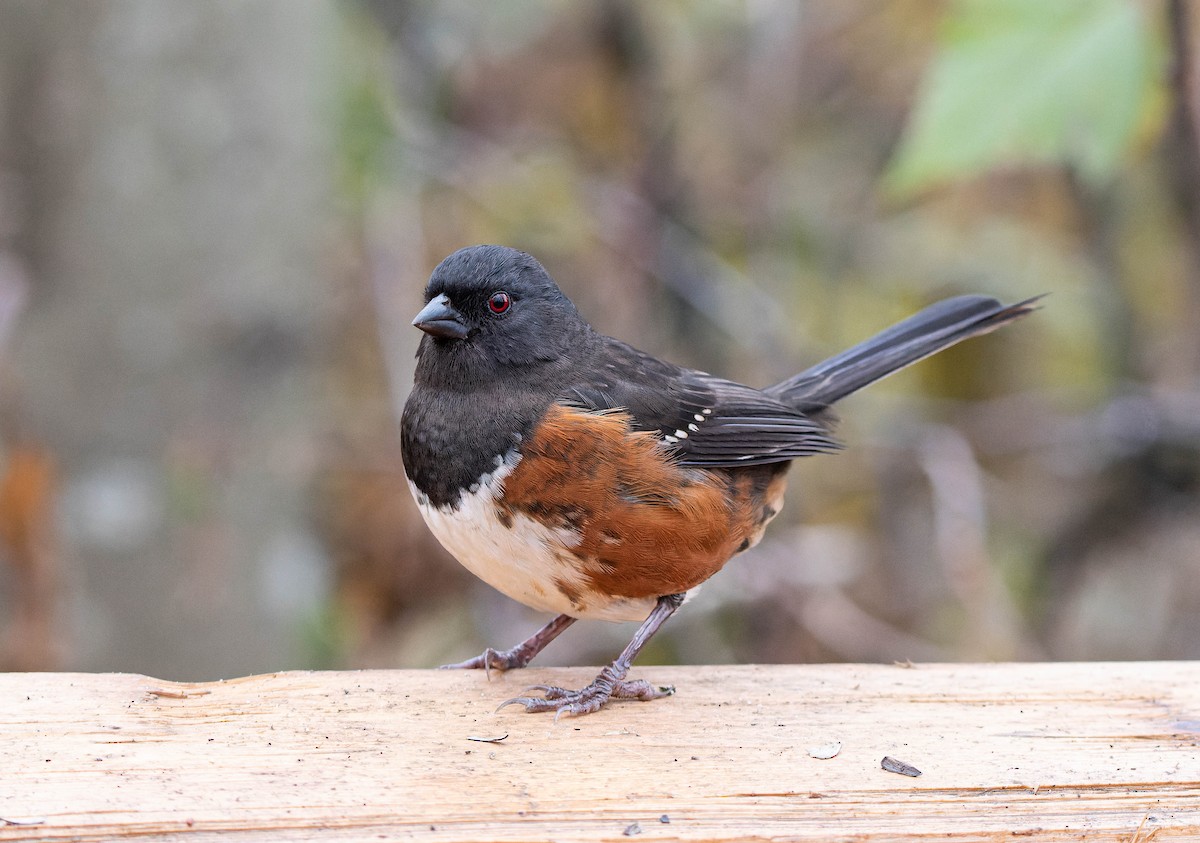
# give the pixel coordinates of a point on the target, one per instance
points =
(450, 439)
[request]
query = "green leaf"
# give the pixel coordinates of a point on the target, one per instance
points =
(1030, 81)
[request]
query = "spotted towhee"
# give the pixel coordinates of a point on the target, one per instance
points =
(583, 477)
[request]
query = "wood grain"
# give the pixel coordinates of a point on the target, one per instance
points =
(1006, 752)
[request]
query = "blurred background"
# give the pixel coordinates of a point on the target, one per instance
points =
(216, 220)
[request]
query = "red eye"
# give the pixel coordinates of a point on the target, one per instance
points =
(499, 302)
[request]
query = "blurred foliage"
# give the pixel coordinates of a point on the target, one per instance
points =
(745, 187)
(1016, 82)
(717, 182)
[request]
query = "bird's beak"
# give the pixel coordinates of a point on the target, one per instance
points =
(440, 319)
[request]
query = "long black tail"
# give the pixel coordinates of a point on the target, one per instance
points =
(936, 327)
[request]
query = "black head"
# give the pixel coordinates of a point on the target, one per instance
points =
(492, 308)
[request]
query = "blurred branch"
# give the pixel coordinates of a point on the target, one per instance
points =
(1182, 144)
(731, 300)
(1183, 134)
(840, 624)
(1132, 420)
(960, 523)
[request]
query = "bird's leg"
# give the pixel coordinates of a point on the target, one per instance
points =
(518, 656)
(611, 682)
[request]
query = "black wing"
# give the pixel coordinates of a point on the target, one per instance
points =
(707, 421)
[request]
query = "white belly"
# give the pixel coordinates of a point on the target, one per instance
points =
(524, 559)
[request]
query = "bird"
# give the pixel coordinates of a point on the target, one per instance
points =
(588, 479)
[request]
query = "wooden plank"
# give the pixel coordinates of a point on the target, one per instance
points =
(1042, 751)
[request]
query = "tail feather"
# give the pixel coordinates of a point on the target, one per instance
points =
(936, 327)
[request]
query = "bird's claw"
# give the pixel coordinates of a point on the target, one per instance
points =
(586, 700)
(490, 660)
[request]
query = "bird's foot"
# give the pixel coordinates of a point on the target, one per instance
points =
(491, 659)
(518, 656)
(590, 699)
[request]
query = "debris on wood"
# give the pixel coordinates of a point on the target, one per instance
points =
(486, 740)
(894, 766)
(826, 750)
(176, 695)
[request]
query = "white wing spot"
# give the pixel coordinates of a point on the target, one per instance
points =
(707, 411)
(698, 417)
(682, 434)
(693, 428)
